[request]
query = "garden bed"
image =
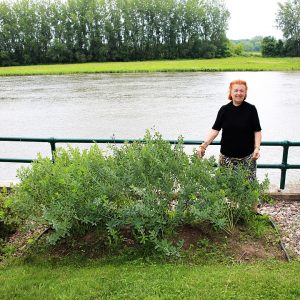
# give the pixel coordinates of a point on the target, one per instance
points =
(201, 244)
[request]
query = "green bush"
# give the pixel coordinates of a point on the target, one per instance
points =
(146, 189)
(7, 222)
(7, 217)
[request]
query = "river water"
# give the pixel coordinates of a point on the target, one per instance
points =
(125, 105)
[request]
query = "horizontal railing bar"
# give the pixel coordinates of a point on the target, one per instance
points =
(289, 166)
(278, 166)
(24, 139)
(17, 160)
(121, 141)
(282, 143)
(53, 141)
(91, 140)
(261, 166)
(270, 166)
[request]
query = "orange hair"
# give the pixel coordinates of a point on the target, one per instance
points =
(237, 81)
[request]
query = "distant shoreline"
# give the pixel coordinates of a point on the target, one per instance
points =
(251, 63)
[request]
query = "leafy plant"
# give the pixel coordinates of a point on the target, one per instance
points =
(150, 188)
(7, 217)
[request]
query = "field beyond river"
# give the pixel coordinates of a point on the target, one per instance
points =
(251, 63)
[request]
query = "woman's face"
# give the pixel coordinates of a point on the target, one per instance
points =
(238, 94)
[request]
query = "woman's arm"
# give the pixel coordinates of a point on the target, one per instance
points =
(257, 141)
(211, 136)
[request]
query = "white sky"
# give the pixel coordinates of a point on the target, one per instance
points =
(250, 18)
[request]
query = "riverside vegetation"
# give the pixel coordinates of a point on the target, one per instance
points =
(140, 193)
(252, 63)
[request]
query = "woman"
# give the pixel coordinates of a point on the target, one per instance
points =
(241, 131)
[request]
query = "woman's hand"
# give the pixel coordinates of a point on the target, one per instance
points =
(211, 136)
(256, 154)
(201, 150)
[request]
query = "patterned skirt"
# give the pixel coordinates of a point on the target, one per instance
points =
(233, 162)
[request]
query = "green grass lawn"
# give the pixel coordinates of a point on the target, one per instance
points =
(222, 64)
(139, 280)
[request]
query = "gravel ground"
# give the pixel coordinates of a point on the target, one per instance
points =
(286, 216)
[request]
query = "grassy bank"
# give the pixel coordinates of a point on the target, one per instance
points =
(138, 280)
(224, 64)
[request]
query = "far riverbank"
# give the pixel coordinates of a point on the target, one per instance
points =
(196, 65)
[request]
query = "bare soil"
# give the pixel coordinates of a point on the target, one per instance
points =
(239, 246)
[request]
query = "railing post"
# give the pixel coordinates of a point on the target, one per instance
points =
(53, 149)
(284, 163)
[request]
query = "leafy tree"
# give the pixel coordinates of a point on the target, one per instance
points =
(269, 46)
(280, 51)
(288, 20)
(7, 21)
(217, 16)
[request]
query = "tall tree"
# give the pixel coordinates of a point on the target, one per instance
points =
(7, 35)
(288, 20)
(268, 46)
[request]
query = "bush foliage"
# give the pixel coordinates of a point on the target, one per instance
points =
(148, 188)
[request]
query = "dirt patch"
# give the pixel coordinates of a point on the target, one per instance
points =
(239, 246)
(92, 244)
(194, 236)
(255, 249)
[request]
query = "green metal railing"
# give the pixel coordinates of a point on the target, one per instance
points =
(283, 166)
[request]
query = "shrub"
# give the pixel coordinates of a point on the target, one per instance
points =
(7, 222)
(7, 218)
(149, 188)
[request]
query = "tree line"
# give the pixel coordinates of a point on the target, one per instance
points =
(67, 31)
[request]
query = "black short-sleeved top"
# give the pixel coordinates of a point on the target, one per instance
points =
(238, 124)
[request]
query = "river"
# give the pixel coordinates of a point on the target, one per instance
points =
(125, 105)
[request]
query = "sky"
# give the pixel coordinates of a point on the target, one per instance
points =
(251, 18)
